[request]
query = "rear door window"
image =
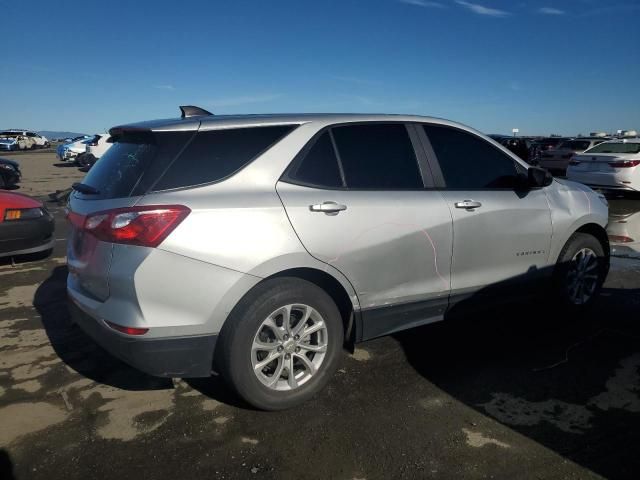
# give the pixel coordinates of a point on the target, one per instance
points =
(216, 154)
(377, 156)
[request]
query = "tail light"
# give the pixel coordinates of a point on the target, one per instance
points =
(624, 163)
(146, 226)
(620, 239)
(127, 330)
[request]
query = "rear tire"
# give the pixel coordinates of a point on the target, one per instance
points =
(580, 271)
(256, 332)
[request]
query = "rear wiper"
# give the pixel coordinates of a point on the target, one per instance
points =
(86, 189)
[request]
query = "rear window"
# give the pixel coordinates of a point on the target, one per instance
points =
(617, 147)
(123, 166)
(216, 154)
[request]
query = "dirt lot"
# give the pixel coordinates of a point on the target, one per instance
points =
(517, 393)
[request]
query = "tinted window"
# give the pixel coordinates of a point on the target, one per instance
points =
(129, 158)
(377, 156)
(320, 165)
(616, 147)
(214, 155)
(469, 162)
(576, 145)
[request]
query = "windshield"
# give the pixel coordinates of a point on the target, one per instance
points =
(9, 134)
(616, 147)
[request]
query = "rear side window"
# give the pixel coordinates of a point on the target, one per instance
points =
(216, 154)
(122, 167)
(469, 162)
(377, 156)
(319, 167)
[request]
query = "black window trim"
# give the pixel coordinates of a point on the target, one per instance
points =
(423, 167)
(434, 163)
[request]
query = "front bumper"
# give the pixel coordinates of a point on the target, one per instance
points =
(184, 357)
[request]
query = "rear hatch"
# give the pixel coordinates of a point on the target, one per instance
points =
(133, 163)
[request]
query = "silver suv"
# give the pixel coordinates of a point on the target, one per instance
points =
(259, 246)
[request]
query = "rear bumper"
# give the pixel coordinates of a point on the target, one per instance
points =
(22, 237)
(185, 357)
(604, 180)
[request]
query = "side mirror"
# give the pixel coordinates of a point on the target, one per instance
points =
(539, 177)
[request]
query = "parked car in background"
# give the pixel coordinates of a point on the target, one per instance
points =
(97, 147)
(543, 144)
(257, 245)
(612, 165)
(69, 151)
(25, 225)
(624, 230)
(12, 141)
(557, 159)
(518, 145)
(29, 139)
(9, 173)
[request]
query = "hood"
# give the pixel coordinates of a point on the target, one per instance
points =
(8, 140)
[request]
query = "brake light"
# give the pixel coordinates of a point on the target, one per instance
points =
(146, 226)
(126, 330)
(624, 163)
(620, 239)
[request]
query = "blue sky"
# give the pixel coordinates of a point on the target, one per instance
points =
(543, 66)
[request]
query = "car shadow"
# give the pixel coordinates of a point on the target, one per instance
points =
(6, 466)
(547, 374)
(11, 188)
(65, 164)
(76, 349)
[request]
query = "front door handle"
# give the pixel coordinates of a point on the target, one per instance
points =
(330, 208)
(468, 204)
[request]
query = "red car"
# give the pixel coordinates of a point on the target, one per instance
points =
(25, 225)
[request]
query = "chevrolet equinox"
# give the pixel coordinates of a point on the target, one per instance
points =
(259, 246)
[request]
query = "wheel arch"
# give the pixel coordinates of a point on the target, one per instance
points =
(599, 232)
(337, 291)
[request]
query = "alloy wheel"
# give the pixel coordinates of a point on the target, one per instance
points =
(289, 347)
(582, 277)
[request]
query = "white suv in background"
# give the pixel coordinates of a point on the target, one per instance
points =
(97, 147)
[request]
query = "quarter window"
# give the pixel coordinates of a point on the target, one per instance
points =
(469, 162)
(216, 154)
(377, 156)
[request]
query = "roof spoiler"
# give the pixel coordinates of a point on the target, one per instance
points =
(193, 111)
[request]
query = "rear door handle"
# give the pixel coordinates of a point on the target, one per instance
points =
(330, 208)
(468, 204)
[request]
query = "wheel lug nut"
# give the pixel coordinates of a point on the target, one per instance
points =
(280, 348)
(297, 337)
(287, 356)
(286, 337)
(297, 349)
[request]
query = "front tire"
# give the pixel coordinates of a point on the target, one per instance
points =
(580, 271)
(281, 344)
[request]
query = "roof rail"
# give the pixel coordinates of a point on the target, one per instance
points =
(193, 111)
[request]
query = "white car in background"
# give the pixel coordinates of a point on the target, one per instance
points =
(23, 139)
(623, 230)
(96, 147)
(613, 165)
(557, 159)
